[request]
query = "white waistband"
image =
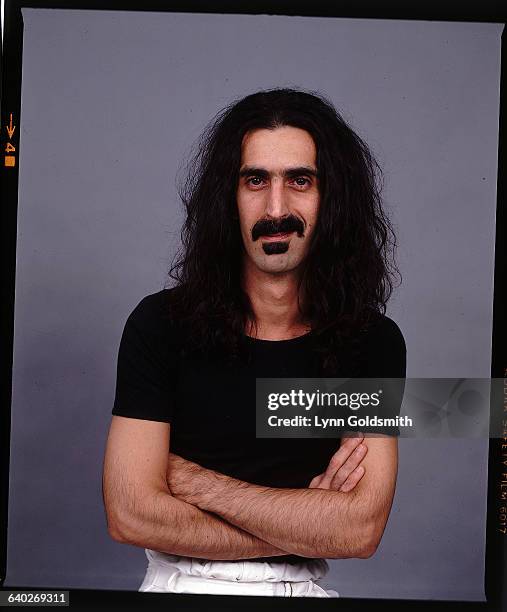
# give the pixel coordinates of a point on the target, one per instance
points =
(248, 570)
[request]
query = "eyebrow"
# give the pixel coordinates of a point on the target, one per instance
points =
(287, 173)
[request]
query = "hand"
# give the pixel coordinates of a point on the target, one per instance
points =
(343, 472)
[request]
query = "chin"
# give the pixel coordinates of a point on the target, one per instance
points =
(275, 264)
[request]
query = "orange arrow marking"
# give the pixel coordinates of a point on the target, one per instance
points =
(10, 129)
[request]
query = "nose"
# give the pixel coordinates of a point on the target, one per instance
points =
(276, 205)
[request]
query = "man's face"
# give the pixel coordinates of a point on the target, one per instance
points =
(277, 197)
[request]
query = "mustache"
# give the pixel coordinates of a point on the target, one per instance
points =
(286, 225)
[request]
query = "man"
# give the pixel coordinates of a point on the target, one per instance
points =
(284, 272)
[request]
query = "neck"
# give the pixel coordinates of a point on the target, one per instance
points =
(274, 301)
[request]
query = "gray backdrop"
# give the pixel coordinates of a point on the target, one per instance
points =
(111, 103)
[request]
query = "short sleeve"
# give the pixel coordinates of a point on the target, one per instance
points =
(384, 352)
(384, 356)
(147, 363)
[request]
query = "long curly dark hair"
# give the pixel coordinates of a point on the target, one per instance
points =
(347, 276)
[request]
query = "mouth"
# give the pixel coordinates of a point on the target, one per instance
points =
(276, 237)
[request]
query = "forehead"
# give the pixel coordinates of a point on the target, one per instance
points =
(280, 147)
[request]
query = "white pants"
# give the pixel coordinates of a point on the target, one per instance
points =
(175, 574)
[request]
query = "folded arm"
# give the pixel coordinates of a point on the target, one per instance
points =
(140, 509)
(308, 522)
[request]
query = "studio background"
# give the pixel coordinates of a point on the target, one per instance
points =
(111, 103)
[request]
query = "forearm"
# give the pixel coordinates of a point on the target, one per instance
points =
(169, 525)
(306, 522)
(310, 522)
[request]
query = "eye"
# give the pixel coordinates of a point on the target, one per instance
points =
(301, 181)
(254, 181)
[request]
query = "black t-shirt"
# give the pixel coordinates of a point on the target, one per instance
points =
(210, 402)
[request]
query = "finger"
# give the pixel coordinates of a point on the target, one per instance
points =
(353, 479)
(349, 466)
(340, 457)
(347, 446)
(315, 482)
